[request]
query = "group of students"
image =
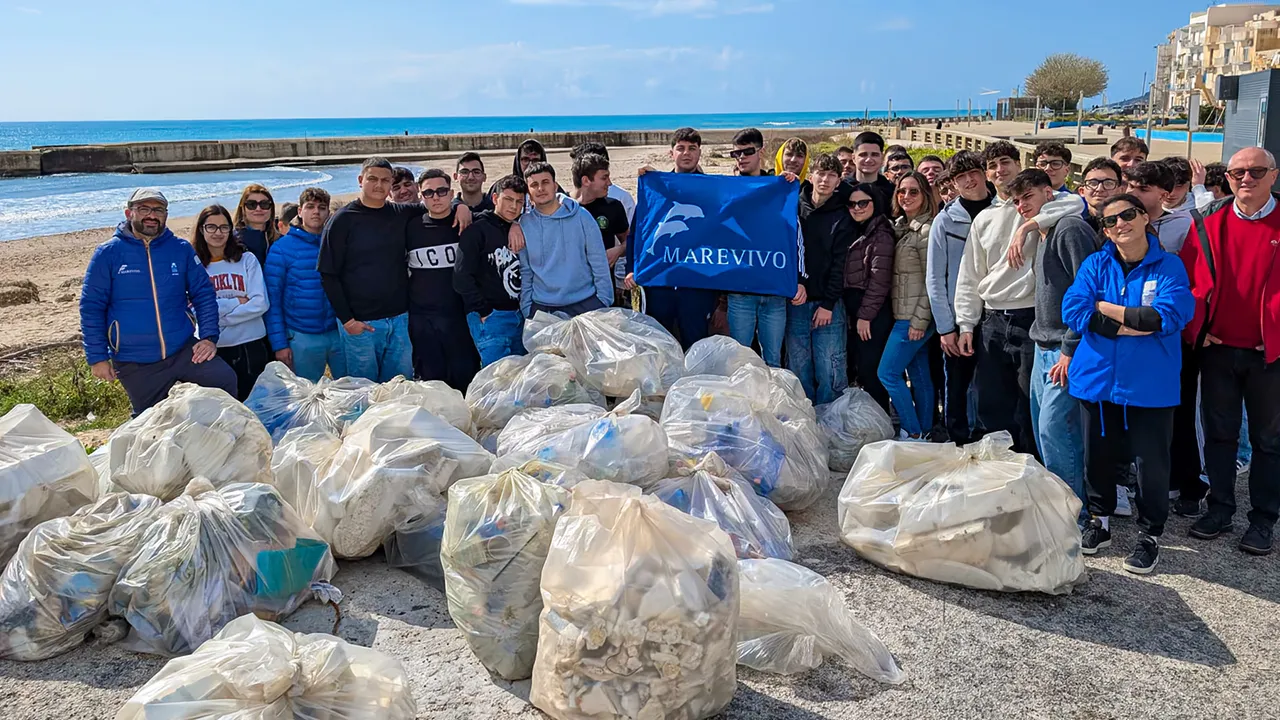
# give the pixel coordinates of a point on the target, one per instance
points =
(1081, 323)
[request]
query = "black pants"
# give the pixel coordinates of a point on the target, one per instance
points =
(248, 361)
(443, 349)
(149, 383)
(959, 371)
(1117, 435)
(864, 355)
(938, 375)
(1185, 452)
(1228, 375)
(684, 312)
(1005, 353)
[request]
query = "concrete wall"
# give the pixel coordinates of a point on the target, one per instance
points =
(20, 163)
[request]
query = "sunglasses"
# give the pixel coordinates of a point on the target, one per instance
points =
(743, 152)
(438, 192)
(1257, 173)
(1101, 184)
(258, 204)
(215, 229)
(908, 192)
(859, 204)
(1129, 215)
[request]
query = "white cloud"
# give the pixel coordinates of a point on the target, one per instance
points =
(698, 8)
(895, 24)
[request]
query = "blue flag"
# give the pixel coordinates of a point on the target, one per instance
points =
(718, 232)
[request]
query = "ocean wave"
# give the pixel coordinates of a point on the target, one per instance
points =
(778, 124)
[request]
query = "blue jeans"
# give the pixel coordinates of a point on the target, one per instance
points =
(817, 355)
(1057, 424)
(765, 314)
(497, 336)
(313, 351)
(382, 354)
(902, 354)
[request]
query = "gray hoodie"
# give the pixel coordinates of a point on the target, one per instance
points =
(563, 260)
(1171, 228)
(946, 247)
(1058, 260)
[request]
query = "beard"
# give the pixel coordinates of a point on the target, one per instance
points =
(147, 228)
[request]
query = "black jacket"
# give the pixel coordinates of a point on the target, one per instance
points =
(828, 232)
(362, 264)
(486, 273)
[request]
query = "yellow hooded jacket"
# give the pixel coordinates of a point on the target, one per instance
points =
(804, 170)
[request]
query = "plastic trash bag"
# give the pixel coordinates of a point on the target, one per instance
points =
(300, 460)
(616, 351)
(604, 445)
(640, 611)
(283, 401)
(852, 421)
(519, 382)
(209, 557)
(496, 537)
(195, 432)
(396, 422)
(542, 470)
(414, 546)
(786, 461)
(981, 516)
(713, 491)
(44, 474)
(433, 396)
(55, 589)
(719, 355)
(257, 670)
(792, 617)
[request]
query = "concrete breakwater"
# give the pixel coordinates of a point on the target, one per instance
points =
(185, 156)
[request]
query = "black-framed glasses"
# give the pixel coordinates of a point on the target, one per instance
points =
(1257, 173)
(860, 204)
(215, 229)
(743, 152)
(1127, 215)
(438, 192)
(1101, 184)
(258, 204)
(1051, 164)
(899, 168)
(467, 172)
(145, 210)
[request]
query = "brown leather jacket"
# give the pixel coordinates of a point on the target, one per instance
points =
(869, 267)
(910, 296)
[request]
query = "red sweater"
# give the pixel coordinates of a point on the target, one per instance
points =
(1242, 307)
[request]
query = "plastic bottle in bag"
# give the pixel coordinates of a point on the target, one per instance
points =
(496, 536)
(719, 355)
(520, 382)
(433, 396)
(616, 351)
(55, 589)
(640, 611)
(852, 421)
(44, 474)
(414, 545)
(254, 669)
(791, 618)
(283, 401)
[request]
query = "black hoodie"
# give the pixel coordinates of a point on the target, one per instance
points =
(433, 252)
(515, 163)
(486, 273)
(828, 233)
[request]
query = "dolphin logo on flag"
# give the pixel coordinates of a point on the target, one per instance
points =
(671, 223)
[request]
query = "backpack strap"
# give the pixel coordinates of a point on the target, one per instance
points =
(1202, 234)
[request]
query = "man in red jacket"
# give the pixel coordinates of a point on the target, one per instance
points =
(1235, 277)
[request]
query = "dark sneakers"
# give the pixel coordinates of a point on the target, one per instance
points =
(1256, 540)
(1209, 526)
(1186, 507)
(1144, 557)
(1094, 538)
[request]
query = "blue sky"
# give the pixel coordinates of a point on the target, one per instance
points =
(136, 59)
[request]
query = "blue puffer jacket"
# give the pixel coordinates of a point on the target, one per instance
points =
(135, 298)
(1129, 370)
(298, 302)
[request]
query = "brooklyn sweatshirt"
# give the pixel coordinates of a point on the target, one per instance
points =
(239, 322)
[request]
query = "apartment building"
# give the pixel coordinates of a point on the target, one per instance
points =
(1220, 40)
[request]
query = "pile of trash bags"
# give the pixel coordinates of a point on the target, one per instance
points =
(211, 556)
(44, 474)
(712, 490)
(433, 396)
(618, 445)
(852, 421)
(719, 355)
(195, 432)
(414, 545)
(257, 669)
(55, 589)
(791, 618)
(616, 351)
(753, 422)
(283, 401)
(981, 516)
(516, 383)
(640, 611)
(496, 536)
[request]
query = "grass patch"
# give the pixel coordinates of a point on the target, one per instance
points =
(66, 392)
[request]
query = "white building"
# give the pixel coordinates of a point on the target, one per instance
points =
(1216, 41)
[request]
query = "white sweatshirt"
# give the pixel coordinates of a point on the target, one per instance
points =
(238, 322)
(986, 279)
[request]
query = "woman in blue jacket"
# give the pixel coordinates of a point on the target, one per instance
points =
(1129, 303)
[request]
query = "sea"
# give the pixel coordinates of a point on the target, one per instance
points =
(50, 204)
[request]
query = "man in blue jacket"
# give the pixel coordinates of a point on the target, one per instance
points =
(133, 309)
(563, 266)
(301, 324)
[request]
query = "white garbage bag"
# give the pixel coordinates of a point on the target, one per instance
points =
(640, 611)
(719, 355)
(712, 490)
(519, 382)
(396, 422)
(792, 618)
(981, 516)
(195, 432)
(257, 670)
(210, 556)
(786, 461)
(616, 351)
(283, 401)
(613, 445)
(496, 535)
(433, 396)
(542, 470)
(44, 474)
(852, 421)
(299, 462)
(55, 589)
